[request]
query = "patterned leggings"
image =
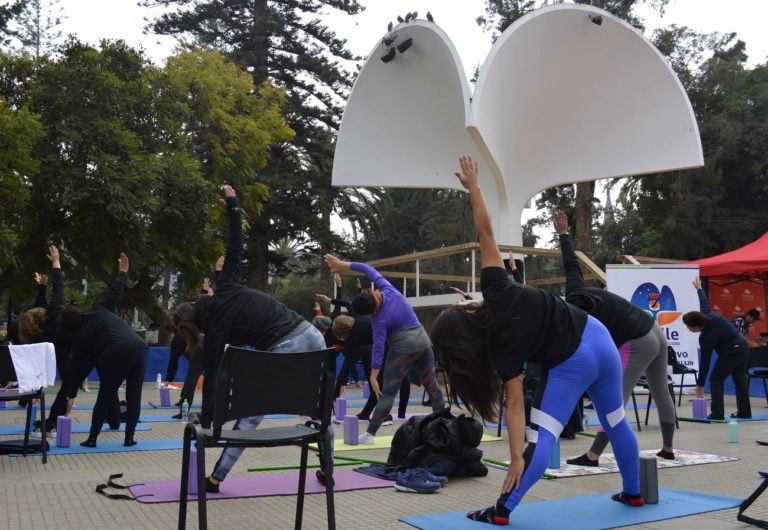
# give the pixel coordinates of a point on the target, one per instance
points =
(395, 370)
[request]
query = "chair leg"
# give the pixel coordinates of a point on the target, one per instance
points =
(680, 396)
(648, 407)
(28, 427)
(302, 485)
(329, 500)
(44, 442)
(637, 416)
(202, 506)
(184, 490)
(765, 389)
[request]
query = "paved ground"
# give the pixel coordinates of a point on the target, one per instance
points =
(61, 493)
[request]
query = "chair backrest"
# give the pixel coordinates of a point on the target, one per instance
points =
(254, 383)
(758, 357)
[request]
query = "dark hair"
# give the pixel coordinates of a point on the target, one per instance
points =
(695, 319)
(754, 313)
(460, 338)
(364, 304)
(71, 317)
(365, 282)
(186, 324)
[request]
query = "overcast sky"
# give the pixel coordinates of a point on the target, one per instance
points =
(92, 20)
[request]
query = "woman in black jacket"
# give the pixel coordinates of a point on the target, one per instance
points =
(103, 340)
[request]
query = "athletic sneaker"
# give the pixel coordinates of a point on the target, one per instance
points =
(583, 460)
(635, 501)
(414, 482)
(431, 477)
(366, 439)
(387, 421)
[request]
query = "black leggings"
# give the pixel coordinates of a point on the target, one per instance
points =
(115, 366)
(194, 370)
(350, 360)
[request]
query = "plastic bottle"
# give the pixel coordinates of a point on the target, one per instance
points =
(184, 411)
(159, 380)
(733, 431)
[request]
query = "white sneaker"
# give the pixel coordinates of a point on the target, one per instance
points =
(366, 439)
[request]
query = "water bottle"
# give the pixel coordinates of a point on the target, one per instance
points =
(184, 411)
(733, 431)
(159, 380)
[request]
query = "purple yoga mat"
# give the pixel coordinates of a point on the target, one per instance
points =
(259, 485)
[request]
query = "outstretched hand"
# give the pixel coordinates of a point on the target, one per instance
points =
(53, 256)
(469, 170)
(41, 279)
(122, 262)
(561, 222)
(323, 298)
(335, 263)
(220, 263)
(697, 283)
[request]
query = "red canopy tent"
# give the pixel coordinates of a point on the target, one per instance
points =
(750, 260)
(737, 281)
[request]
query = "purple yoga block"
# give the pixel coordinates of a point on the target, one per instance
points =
(165, 397)
(699, 408)
(341, 408)
(351, 424)
(63, 431)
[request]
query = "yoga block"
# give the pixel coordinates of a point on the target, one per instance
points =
(554, 458)
(699, 408)
(3, 404)
(165, 397)
(649, 482)
(341, 408)
(63, 431)
(351, 428)
(192, 486)
(366, 390)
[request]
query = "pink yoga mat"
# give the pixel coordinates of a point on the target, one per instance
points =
(259, 485)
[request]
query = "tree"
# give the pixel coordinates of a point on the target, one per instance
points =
(499, 15)
(8, 12)
(281, 41)
(37, 26)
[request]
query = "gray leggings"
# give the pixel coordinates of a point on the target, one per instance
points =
(648, 354)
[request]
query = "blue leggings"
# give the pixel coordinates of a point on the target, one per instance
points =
(595, 367)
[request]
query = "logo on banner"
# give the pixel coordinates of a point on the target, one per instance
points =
(726, 294)
(747, 295)
(660, 304)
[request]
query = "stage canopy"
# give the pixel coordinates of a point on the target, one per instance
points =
(749, 260)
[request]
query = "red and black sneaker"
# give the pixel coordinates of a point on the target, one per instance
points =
(489, 515)
(635, 500)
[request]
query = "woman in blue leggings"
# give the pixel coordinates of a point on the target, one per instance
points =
(513, 325)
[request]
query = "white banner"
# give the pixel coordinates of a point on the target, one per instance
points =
(666, 292)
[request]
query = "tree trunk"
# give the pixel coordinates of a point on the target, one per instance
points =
(585, 192)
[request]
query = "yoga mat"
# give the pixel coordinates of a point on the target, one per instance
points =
(408, 416)
(13, 430)
(359, 403)
(755, 417)
(116, 446)
(700, 420)
(258, 486)
(588, 512)
(382, 442)
(89, 406)
(160, 418)
(608, 463)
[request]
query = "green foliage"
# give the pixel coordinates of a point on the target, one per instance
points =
(297, 291)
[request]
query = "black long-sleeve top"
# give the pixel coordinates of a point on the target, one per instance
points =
(101, 331)
(360, 337)
(52, 330)
(718, 334)
(236, 314)
(530, 324)
(624, 320)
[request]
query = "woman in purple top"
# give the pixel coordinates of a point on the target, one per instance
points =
(393, 320)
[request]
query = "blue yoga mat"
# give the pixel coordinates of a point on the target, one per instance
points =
(588, 512)
(114, 446)
(150, 418)
(755, 417)
(13, 430)
(89, 406)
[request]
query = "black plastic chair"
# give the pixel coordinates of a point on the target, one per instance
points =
(255, 383)
(7, 373)
(757, 367)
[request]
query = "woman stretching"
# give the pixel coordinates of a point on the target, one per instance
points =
(626, 323)
(238, 315)
(476, 342)
(102, 340)
(392, 319)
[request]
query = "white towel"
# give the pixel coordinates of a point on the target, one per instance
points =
(35, 365)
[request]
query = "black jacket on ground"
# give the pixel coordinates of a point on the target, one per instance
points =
(423, 440)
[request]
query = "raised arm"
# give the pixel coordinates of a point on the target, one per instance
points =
(56, 303)
(109, 300)
(337, 307)
(574, 278)
(490, 255)
(703, 302)
(230, 271)
(41, 299)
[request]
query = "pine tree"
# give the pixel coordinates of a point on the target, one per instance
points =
(38, 22)
(285, 42)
